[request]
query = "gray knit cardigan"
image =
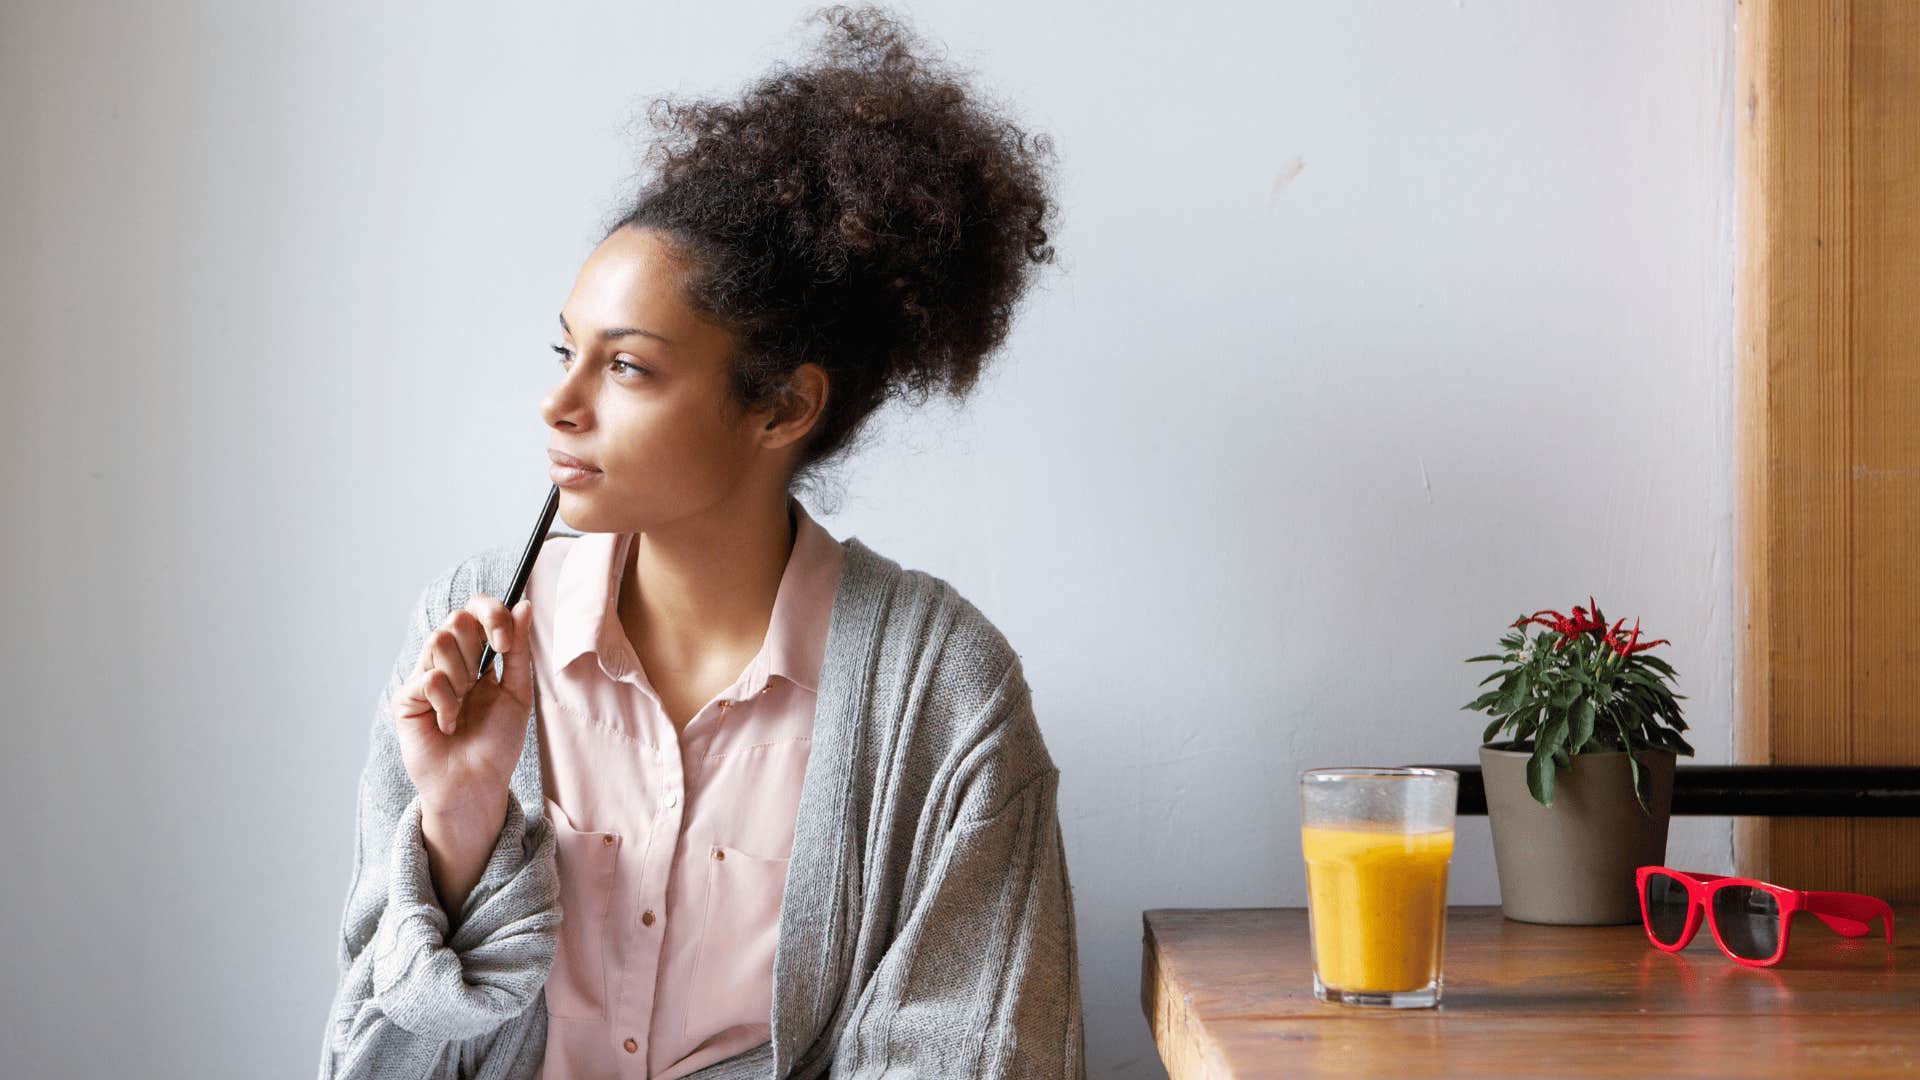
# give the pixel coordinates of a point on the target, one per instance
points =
(927, 928)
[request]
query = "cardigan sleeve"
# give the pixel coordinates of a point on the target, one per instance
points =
(422, 994)
(983, 979)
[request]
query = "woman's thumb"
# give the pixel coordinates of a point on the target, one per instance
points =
(518, 678)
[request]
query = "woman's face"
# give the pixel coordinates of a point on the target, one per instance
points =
(643, 398)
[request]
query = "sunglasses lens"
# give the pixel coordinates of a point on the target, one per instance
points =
(1666, 908)
(1748, 920)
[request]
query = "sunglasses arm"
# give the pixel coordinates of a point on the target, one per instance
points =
(1850, 914)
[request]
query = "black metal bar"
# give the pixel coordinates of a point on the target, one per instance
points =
(1765, 790)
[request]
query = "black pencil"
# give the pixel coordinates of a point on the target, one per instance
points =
(525, 571)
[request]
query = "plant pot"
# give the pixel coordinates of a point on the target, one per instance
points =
(1572, 863)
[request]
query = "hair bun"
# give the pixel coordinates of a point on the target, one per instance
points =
(863, 210)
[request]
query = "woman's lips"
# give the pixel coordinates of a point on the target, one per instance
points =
(568, 476)
(567, 470)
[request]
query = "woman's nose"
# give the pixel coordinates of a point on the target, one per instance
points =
(570, 398)
(563, 405)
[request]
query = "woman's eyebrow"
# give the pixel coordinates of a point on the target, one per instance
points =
(613, 333)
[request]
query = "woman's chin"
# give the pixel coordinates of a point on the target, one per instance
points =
(578, 510)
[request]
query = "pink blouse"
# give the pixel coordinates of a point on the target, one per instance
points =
(672, 846)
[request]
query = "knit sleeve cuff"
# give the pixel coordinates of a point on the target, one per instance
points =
(450, 980)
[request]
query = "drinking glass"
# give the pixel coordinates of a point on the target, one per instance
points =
(1377, 842)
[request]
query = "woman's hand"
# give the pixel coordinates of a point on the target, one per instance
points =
(460, 737)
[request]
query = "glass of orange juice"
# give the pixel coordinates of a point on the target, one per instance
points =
(1377, 843)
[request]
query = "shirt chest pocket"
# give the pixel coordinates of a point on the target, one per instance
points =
(577, 986)
(732, 980)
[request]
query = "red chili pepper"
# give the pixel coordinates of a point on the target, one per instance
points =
(1535, 618)
(1589, 620)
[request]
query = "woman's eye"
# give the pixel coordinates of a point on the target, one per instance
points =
(566, 354)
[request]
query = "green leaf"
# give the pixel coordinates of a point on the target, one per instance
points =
(1516, 694)
(1502, 674)
(1540, 778)
(1484, 701)
(1655, 663)
(1493, 729)
(1583, 715)
(1639, 789)
(1489, 656)
(1553, 734)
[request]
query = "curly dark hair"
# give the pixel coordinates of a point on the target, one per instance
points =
(862, 211)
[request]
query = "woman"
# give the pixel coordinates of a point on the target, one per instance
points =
(744, 800)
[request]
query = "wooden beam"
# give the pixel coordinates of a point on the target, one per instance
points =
(1828, 310)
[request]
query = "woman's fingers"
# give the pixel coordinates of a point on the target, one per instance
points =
(450, 659)
(427, 697)
(446, 704)
(410, 700)
(455, 650)
(457, 642)
(468, 637)
(496, 623)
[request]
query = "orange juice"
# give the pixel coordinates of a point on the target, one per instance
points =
(1378, 906)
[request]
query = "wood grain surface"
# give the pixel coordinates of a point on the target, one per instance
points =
(1828, 496)
(1228, 993)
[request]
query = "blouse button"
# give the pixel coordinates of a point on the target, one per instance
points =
(719, 854)
(632, 1047)
(607, 839)
(646, 918)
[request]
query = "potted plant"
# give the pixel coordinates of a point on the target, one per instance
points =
(1580, 788)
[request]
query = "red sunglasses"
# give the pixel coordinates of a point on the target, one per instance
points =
(1750, 919)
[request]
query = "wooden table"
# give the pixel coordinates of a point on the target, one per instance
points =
(1229, 993)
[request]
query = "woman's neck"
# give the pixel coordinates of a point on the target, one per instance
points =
(699, 593)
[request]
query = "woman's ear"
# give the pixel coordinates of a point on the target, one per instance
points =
(802, 401)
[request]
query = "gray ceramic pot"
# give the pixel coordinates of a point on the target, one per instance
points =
(1573, 863)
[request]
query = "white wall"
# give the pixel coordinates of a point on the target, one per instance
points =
(1378, 324)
